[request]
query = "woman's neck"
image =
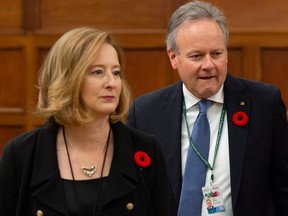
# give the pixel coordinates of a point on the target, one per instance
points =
(88, 135)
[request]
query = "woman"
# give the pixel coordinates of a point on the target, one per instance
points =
(84, 160)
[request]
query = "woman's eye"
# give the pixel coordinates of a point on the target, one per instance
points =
(97, 72)
(117, 73)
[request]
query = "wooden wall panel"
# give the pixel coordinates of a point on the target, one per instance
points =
(31, 14)
(235, 61)
(274, 68)
(10, 16)
(12, 78)
(254, 15)
(127, 15)
(147, 70)
(258, 45)
(42, 53)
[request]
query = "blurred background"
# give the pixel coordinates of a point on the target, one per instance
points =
(258, 45)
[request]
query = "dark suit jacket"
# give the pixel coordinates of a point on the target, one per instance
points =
(30, 177)
(258, 151)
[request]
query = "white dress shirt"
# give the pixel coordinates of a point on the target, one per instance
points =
(222, 165)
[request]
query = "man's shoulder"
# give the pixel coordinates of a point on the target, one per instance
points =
(248, 84)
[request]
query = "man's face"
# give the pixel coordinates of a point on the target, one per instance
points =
(202, 57)
(209, 203)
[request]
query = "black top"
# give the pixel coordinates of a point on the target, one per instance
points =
(86, 193)
(31, 182)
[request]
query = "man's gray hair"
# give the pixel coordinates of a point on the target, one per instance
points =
(193, 11)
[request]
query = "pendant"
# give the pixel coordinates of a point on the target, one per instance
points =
(89, 171)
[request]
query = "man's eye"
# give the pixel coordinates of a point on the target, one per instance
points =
(195, 57)
(216, 54)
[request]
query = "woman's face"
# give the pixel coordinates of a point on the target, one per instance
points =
(102, 82)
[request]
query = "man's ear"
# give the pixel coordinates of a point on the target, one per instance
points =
(173, 59)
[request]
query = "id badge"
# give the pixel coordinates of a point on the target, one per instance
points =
(213, 199)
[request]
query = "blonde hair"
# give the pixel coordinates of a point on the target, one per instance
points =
(61, 77)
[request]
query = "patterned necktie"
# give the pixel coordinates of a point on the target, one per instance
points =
(195, 170)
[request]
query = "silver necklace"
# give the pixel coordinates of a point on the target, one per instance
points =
(73, 177)
(88, 171)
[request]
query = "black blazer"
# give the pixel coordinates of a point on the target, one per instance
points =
(258, 151)
(30, 177)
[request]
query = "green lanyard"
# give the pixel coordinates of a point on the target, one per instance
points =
(221, 123)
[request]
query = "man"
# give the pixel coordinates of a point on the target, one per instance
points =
(248, 156)
(210, 207)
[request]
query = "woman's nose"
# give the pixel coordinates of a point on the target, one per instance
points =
(110, 79)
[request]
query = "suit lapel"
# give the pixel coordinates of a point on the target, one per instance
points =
(123, 176)
(170, 136)
(234, 94)
(236, 99)
(46, 184)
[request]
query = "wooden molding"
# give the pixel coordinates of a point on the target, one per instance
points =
(31, 14)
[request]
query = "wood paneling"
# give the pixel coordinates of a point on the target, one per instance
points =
(274, 67)
(31, 14)
(254, 15)
(11, 16)
(125, 15)
(258, 45)
(147, 69)
(12, 78)
(235, 61)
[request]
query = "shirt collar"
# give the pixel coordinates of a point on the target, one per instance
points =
(191, 100)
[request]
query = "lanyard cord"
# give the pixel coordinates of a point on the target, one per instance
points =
(73, 177)
(220, 128)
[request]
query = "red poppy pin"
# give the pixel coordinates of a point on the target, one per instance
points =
(240, 118)
(142, 159)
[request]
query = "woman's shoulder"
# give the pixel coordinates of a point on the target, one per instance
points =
(32, 134)
(26, 141)
(24, 138)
